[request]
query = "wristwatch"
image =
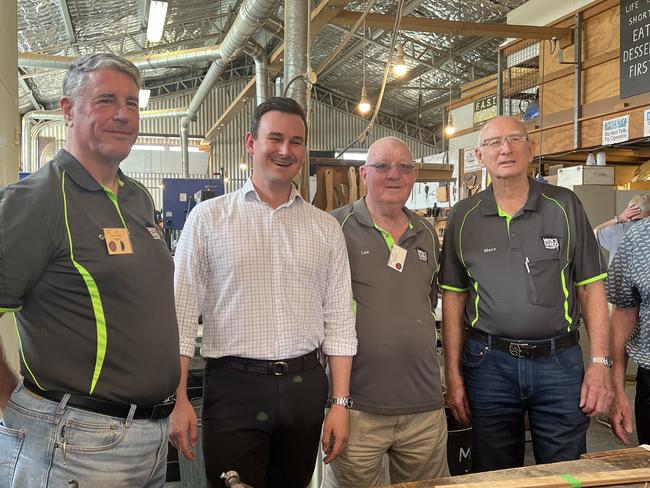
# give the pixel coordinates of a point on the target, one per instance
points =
(606, 360)
(345, 401)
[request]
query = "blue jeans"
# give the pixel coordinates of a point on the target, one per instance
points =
(45, 444)
(502, 388)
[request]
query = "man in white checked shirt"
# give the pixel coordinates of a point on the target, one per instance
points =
(269, 274)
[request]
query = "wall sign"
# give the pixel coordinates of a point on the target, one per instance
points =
(470, 161)
(646, 123)
(485, 109)
(635, 47)
(616, 130)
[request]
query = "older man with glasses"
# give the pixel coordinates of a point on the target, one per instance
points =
(395, 381)
(519, 267)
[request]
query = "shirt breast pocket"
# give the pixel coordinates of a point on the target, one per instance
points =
(545, 286)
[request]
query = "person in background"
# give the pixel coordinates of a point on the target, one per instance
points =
(87, 273)
(628, 290)
(609, 233)
(270, 276)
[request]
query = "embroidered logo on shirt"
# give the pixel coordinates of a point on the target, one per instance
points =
(155, 233)
(489, 250)
(551, 243)
(364, 252)
(423, 255)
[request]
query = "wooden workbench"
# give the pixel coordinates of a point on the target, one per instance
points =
(592, 462)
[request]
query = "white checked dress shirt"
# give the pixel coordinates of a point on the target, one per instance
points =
(270, 284)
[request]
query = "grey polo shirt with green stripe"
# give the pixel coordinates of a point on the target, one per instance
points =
(89, 323)
(521, 271)
(396, 368)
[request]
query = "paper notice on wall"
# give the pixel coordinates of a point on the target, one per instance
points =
(646, 123)
(470, 162)
(616, 130)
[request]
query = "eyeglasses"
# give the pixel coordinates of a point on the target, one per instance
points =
(497, 142)
(403, 168)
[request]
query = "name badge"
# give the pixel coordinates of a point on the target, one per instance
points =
(397, 258)
(117, 241)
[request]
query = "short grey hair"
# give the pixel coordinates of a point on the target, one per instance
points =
(74, 82)
(642, 201)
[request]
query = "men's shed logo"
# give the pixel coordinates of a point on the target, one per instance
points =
(551, 243)
(423, 255)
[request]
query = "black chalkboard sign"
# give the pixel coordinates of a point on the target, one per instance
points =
(635, 47)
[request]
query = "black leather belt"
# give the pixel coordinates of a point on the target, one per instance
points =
(528, 349)
(120, 410)
(260, 366)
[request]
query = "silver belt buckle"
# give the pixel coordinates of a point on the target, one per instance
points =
(515, 349)
(279, 368)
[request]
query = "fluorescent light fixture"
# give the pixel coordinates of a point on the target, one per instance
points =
(147, 147)
(353, 156)
(143, 97)
(156, 23)
(189, 149)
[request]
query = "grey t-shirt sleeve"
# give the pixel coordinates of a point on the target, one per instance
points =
(619, 285)
(588, 263)
(25, 244)
(453, 275)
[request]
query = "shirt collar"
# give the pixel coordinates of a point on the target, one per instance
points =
(80, 175)
(363, 216)
(489, 204)
(249, 192)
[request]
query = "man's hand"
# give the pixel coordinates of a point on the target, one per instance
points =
(183, 421)
(457, 400)
(620, 416)
(596, 392)
(336, 430)
(629, 213)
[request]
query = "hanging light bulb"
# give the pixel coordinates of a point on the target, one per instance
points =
(364, 104)
(450, 129)
(242, 164)
(399, 67)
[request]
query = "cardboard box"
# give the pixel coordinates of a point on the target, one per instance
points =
(554, 168)
(585, 175)
(442, 194)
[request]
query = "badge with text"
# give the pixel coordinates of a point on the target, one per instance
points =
(551, 242)
(397, 258)
(117, 240)
(422, 255)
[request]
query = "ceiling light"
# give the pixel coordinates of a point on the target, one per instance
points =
(364, 104)
(143, 97)
(399, 67)
(450, 129)
(156, 23)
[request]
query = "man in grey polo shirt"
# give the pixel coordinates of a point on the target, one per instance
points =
(519, 267)
(395, 382)
(85, 269)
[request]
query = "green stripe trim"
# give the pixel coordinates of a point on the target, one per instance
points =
(462, 260)
(345, 220)
(390, 242)
(453, 288)
(93, 292)
(573, 482)
(17, 309)
(592, 280)
(113, 198)
(22, 355)
(507, 216)
(565, 290)
(354, 306)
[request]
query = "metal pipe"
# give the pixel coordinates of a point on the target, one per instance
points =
(151, 61)
(57, 115)
(258, 54)
(296, 19)
(499, 82)
(185, 153)
(577, 69)
(251, 16)
(278, 86)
